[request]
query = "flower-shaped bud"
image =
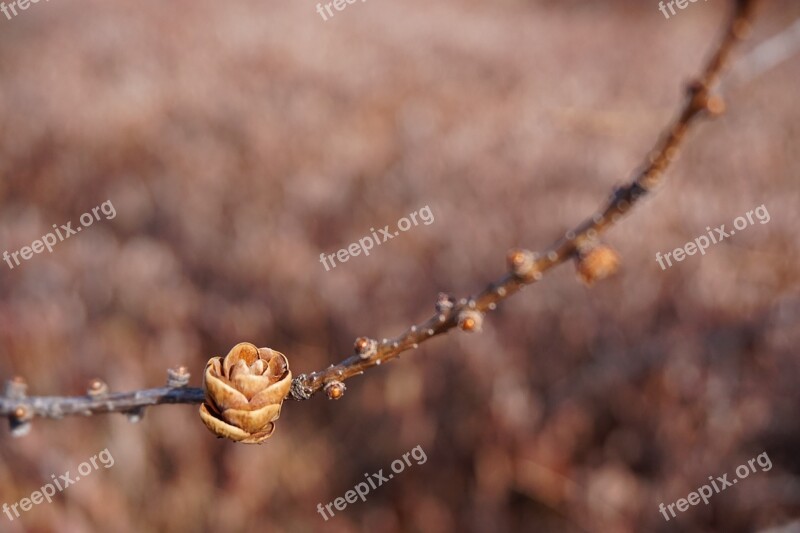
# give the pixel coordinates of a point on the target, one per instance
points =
(244, 393)
(596, 263)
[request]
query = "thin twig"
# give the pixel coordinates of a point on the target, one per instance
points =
(525, 268)
(22, 409)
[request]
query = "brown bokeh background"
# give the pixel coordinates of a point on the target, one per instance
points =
(239, 140)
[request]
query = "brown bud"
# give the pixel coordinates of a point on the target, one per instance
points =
(444, 303)
(521, 262)
(335, 389)
(178, 377)
(596, 263)
(361, 344)
(366, 347)
(20, 421)
(97, 388)
(469, 320)
(16, 388)
(244, 393)
(715, 105)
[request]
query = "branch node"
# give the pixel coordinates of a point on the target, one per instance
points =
(637, 190)
(298, 390)
(698, 92)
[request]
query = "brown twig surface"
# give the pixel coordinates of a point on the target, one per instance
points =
(594, 261)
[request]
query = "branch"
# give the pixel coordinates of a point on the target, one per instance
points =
(594, 261)
(527, 267)
(21, 409)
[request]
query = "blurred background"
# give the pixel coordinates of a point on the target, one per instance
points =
(238, 141)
